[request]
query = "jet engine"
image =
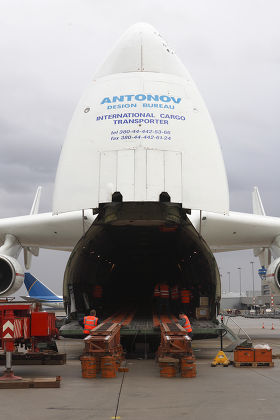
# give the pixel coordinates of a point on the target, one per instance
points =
(11, 275)
(272, 280)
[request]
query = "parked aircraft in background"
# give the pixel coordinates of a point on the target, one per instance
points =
(141, 191)
(41, 293)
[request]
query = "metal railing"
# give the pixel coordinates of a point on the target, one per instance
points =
(228, 318)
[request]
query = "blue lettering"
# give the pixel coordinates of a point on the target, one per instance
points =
(177, 101)
(165, 98)
(152, 97)
(129, 97)
(140, 97)
(106, 101)
(118, 98)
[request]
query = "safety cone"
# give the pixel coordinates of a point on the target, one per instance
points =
(263, 325)
(272, 327)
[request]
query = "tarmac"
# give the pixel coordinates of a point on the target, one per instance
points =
(216, 392)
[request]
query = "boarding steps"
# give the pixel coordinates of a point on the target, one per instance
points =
(233, 337)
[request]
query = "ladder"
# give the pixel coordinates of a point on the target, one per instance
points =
(234, 337)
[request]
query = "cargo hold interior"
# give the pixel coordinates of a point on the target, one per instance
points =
(128, 257)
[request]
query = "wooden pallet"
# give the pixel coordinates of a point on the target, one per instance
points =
(123, 369)
(253, 364)
(42, 358)
(31, 383)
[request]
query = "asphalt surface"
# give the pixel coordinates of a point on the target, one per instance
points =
(216, 393)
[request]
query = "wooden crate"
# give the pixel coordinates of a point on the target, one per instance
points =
(263, 355)
(202, 313)
(204, 301)
(244, 355)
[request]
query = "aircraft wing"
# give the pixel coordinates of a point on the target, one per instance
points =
(235, 231)
(238, 231)
(58, 304)
(33, 299)
(36, 299)
(46, 230)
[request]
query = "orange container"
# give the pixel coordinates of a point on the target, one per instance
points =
(167, 370)
(108, 367)
(108, 372)
(188, 372)
(88, 366)
(244, 355)
(187, 361)
(263, 355)
(188, 367)
(107, 359)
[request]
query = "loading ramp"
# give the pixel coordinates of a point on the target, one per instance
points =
(142, 325)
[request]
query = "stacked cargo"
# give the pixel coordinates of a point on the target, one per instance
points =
(188, 367)
(259, 356)
(202, 312)
(168, 367)
(185, 366)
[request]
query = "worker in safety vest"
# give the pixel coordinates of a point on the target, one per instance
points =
(157, 297)
(90, 322)
(175, 298)
(185, 323)
(164, 297)
(185, 299)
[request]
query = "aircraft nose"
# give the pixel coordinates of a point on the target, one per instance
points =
(142, 49)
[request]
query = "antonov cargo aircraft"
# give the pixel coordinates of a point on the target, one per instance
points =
(141, 192)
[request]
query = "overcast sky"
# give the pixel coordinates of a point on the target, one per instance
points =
(50, 50)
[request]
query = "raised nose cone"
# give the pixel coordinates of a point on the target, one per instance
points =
(142, 49)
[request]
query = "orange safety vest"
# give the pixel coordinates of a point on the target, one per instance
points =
(97, 291)
(187, 324)
(174, 293)
(185, 296)
(164, 291)
(90, 322)
(157, 290)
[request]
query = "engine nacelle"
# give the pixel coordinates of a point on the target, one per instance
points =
(11, 275)
(273, 277)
